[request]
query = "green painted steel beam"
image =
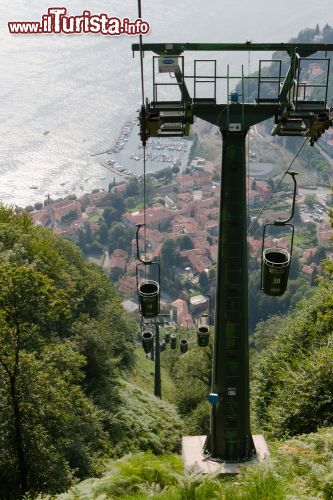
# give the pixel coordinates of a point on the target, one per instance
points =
(230, 435)
(186, 98)
(223, 114)
(157, 374)
(293, 68)
(303, 49)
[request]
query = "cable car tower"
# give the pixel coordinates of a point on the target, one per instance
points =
(297, 111)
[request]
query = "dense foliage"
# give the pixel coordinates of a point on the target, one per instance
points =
(292, 385)
(65, 341)
(191, 374)
(298, 468)
(144, 422)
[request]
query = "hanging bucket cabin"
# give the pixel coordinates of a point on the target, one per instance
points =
(183, 344)
(148, 289)
(203, 336)
(275, 261)
(149, 298)
(147, 341)
(203, 331)
(173, 341)
(276, 266)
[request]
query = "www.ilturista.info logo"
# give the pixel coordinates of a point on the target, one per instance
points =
(56, 21)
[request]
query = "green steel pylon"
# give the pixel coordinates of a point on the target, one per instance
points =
(230, 435)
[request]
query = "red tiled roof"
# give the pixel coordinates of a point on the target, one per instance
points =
(154, 215)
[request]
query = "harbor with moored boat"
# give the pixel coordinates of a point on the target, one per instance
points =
(125, 158)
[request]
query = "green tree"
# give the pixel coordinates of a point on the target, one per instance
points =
(132, 188)
(85, 235)
(131, 202)
(320, 254)
(60, 429)
(168, 256)
(103, 234)
(94, 248)
(110, 215)
(120, 236)
(295, 267)
(192, 376)
(309, 235)
(309, 200)
(27, 298)
(147, 185)
(70, 217)
(203, 282)
(185, 242)
(64, 339)
(271, 184)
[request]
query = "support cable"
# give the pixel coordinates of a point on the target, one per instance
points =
(141, 57)
(143, 133)
(248, 139)
(276, 187)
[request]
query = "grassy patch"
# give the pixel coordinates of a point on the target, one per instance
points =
(95, 218)
(137, 208)
(143, 375)
(144, 422)
(299, 468)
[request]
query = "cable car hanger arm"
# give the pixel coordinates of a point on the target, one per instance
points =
(283, 222)
(145, 262)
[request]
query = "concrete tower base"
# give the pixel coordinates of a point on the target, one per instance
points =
(194, 460)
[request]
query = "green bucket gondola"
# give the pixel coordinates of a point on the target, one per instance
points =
(276, 265)
(149, 291)
(183, 344)
(275, 262)
(147, 341)
(203, 336)
(173, 341)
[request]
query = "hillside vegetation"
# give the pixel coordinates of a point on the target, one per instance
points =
(292, 383)
(65, 344)
(299, 468)
(76, 400)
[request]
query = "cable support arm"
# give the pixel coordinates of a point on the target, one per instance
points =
(283, 222)
(143, 261)
(276, 187)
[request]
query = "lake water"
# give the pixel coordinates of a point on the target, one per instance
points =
(63, 98)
